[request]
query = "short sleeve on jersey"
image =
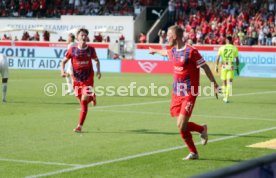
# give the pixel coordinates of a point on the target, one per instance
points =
(68, 54)
(197, 58)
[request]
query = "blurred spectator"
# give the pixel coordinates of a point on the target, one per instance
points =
(268, 37)
(77, 4)
(35, 8)
(274, 37)
(221, 40)
(29, 13)
(71, 4)
(142, 38)
(214, 39)
(122, 38)
(46, 36)
(102, 2)
(171, 8)
(61, 39)
(15, 38)
(241, 36)
(261, 37)
(107, 39)
(199, 36)
(207, 39)
(177, 8)
(5, 37)
(162, 36)
(236, 40)
(25, 37)
(137, 8)
(42, 8)
(36, 37)
(205, 29)
(98, 38)
(192, 36)
(271, 6)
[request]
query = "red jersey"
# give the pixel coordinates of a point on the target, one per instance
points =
(192, 36)
(214, 40)
(205, 28)
(186, 63)
(81, 60)
(229, 29)
(221, 40)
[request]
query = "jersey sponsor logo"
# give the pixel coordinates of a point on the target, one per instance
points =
(83, 62)
(178, 69)
(147, 66)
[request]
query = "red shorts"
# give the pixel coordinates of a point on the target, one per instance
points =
(84, 88)
(182, 105)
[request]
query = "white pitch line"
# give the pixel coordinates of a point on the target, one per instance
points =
(39, 162)
(256, 93)
(143, 154)
(241, 94)
(165, 101)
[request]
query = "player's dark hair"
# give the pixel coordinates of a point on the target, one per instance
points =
(83, 30)
(229, 38)
(72, 36)
(177, 30)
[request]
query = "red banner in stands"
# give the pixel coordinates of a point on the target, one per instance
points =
(214, 47)
(143, 66)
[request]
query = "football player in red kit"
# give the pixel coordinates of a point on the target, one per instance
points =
(186, 62)
(83, 74)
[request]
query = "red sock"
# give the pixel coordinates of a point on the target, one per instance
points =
(194, 127)
(187, 137)
(83, 112)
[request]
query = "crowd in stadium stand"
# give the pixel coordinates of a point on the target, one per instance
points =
(250, 22)
(56, 8)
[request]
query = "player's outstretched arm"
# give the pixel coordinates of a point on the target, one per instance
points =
(237, 65)
(211, 77)
(62, 65)
(158, 51)
(98, 74)
(217, 63)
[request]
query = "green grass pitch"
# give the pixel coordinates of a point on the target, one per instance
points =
(130, 136)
